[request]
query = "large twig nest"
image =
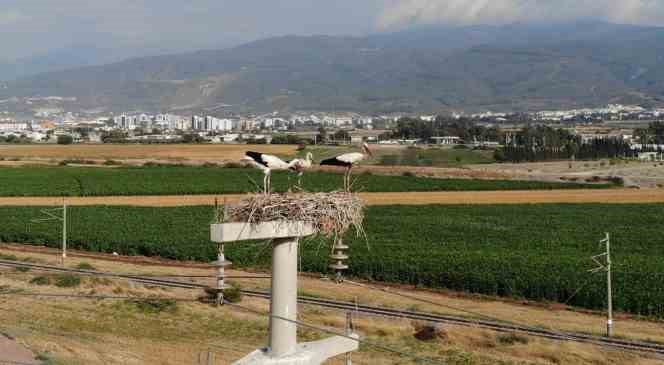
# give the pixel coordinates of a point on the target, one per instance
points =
(331, 214)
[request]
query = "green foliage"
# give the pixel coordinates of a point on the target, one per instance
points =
(543, 143)
(65, 139)
(154, 305)
(8, 257)
(173, 179)
(511, 339)
(286, 139)
(233, 294)
(85, 266)
(192, 138)
(67, 281)
(41, 280)
(22, 269)
(539, 252)
(112, 163)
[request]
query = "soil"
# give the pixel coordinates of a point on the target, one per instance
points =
(626, 195)
(12, 352)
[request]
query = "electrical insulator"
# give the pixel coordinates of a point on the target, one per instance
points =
(339, 258)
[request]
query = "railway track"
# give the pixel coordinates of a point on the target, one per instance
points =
(620, 344)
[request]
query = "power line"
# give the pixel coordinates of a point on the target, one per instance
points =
(341, 334)
(481, 315)
(100, 297)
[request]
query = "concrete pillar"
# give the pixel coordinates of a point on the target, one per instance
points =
(283, 334)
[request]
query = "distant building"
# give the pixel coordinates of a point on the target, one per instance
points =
(446, 140)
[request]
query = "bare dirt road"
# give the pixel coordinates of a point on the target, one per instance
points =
(165, 152)
(403, 198)
(13, 353)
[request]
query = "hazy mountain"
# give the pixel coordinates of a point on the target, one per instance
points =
(500, 67)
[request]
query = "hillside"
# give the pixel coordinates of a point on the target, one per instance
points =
(430, 69)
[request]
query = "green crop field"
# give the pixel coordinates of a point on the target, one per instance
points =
(176, 180)
(411, 156)
(539, 252)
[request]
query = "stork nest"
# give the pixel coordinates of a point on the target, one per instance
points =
(331, 214)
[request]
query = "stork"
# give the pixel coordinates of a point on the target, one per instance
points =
(299, 165)
(348, 160)
(265, 163)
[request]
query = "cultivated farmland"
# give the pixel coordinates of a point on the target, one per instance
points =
(528, 251)
(177, 180)
(172, 152)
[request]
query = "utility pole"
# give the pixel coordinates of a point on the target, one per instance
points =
(606, 266)
(349, 332)
(52, 215)
(64, 231)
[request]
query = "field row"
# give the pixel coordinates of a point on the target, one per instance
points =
(177, 180)
(539, 252)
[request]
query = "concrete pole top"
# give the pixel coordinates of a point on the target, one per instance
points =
(233, 232)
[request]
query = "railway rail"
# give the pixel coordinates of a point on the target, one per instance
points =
(620, 344)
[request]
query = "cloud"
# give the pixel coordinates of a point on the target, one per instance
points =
(403, 13)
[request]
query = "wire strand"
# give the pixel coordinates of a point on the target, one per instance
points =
(341, 334)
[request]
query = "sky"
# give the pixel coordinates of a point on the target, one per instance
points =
(33, 27)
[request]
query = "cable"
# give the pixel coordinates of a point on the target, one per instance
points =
(514, 324)
(340, 334)
(101, 297)
(155, 275)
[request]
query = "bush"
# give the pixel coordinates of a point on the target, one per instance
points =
(8, 257)
(67, 281)
(85, 266)
(154, 305)
(233, 165)
(22, 269)
(112, 163)
(408, 174)
(65, 139)
(511, 339)
(233, 294)
(41, 280)
(76, 161)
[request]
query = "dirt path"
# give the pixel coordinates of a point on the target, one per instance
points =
(13, 353)
(402, 198)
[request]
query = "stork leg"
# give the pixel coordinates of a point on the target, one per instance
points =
(266, 182)
(347, 179)
(299, 179)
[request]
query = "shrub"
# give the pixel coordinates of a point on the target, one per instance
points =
(429, 332)
(67, 281)
(233, 165)
(511, 339)
(154, 305)
(8, 257)
(65, 139)
(22, 269)
(85, 266)
(408, 174)
(41, 280)
(233, 294)
(112, 163)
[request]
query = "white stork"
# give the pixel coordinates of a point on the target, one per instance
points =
(348, 160)
(299, 165)
(265, 163)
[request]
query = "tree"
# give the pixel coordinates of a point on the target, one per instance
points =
(341, 135)
(192, 138)
(65, 139)
(322, 134)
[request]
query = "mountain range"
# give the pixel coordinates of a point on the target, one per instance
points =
(432, 69)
